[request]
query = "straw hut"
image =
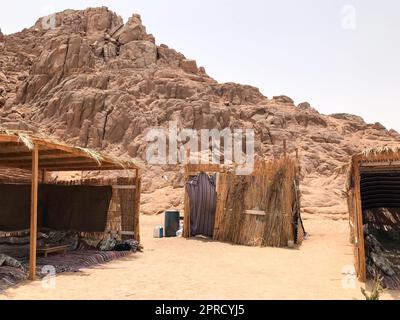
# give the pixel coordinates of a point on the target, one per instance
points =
(94, 207)
(261, 209)
(373, 190)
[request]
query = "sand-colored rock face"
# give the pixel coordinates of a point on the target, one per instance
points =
(97, 82)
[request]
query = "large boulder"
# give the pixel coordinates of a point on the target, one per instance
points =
(189, 66)
(140, 53)
(170, 56)
(283, 99)
(100, 21)
(132, 31)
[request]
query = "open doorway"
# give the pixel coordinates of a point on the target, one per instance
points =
(374, 207)
(202, 195)
(380, 197)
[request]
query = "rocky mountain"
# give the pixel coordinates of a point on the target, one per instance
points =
(92, 80)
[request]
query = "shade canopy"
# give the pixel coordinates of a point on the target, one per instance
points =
(24, 151)
(16, 152)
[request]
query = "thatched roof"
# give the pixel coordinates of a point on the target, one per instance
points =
(373, 159)
(381, 151)
(16, 152)
(377, 154)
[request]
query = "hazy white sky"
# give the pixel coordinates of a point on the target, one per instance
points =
(339, 55)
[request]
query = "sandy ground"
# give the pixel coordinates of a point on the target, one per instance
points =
(201, 269)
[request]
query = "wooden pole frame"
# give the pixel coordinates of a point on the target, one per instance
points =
(136, 219)
(360, 242)
(34, 202)
(186, 209)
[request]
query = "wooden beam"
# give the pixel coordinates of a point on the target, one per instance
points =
(12, 148)
(124, 187)
(75, 167)
(192, 168)
(136, 219)
(7, 138)
(83, 168)
(127, 233)
(69, 149)
(23, 155)
(50, 162)
(66, 164)
(34, 201)
(80, 166)
(383, 169)
(256, 212)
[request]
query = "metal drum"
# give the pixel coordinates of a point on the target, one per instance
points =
(171, 223)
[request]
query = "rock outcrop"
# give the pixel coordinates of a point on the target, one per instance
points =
(94, 81)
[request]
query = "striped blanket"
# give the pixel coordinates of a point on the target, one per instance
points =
(73, 261)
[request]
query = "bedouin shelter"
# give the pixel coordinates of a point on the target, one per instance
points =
(373, 193)
(261, 209)
(90, 206)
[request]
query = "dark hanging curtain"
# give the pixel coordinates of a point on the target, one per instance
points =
(203, 201)
(15, 207)
(78, 208)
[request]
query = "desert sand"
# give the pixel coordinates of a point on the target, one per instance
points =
(177, 268)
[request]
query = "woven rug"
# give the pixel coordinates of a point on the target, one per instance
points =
(73, 261)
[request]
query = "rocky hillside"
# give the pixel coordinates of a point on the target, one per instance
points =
(97, 82)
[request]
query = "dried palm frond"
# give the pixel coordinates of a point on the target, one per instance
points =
(92, 154)
(26, 140)
(23, 136)
(29, 139)
(384, 150)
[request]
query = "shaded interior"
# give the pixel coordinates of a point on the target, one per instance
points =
(380, 197)
(73, 216)
(60, 207)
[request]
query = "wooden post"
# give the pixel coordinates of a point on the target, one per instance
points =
(187, 155)
(360, 244)
(186, 209)
(186, 200)
(34, 201)
(136, 218)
